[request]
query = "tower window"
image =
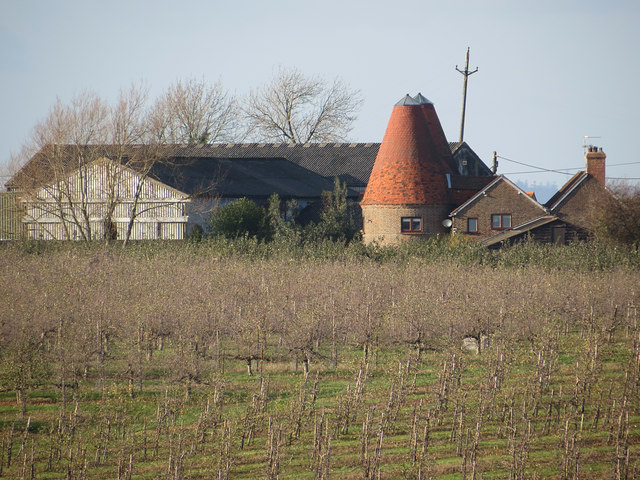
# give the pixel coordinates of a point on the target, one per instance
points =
(411, 225)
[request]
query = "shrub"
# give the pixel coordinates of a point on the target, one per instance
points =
(336, 218)
(281, 227)
(241, 218)
(196, 234)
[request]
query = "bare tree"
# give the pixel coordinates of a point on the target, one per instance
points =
(294, 108)
(83, 122)
(86, 179)
(53, 184)
(128, 124)
(194, 112)
(618, 215)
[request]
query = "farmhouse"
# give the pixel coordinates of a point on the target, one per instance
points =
(498, 207)
(502, 212)
(411, 186)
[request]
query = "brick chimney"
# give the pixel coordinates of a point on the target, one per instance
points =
(596, 164)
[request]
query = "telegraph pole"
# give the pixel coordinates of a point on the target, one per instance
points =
(465, 73)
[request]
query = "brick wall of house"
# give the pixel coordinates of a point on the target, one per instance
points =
(581, 207)
(501, 199)
(382, 223)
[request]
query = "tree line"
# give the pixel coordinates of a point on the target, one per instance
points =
(290, 108)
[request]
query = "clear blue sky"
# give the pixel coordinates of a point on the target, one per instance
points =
(550, 71)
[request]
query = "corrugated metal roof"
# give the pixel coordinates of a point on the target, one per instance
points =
(242, 177)
(350, 162)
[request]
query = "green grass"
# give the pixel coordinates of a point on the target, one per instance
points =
(128, 415)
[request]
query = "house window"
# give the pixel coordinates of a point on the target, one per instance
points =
(501, 221)
(411, 225)
(472, 225)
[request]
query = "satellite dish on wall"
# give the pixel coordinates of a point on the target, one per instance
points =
(447, 222)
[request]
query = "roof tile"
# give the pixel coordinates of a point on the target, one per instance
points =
(412, 161)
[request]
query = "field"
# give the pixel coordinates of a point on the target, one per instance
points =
(202, 361)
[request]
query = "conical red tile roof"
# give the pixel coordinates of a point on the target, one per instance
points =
(413, 159)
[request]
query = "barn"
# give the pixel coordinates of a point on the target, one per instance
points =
(103, 199)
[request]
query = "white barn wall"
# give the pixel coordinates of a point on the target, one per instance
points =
(59, 211)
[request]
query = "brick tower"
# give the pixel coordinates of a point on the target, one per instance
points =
(407, 197)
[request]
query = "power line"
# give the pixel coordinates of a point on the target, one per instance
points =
(563, 171)
(538, 169)
(620, 164)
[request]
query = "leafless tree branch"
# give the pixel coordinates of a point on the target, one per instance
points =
(294, 108)
(194, 112)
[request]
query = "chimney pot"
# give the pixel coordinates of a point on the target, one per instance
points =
(596, 164)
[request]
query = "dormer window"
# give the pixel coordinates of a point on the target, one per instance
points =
(411, 225)
(500, 221)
